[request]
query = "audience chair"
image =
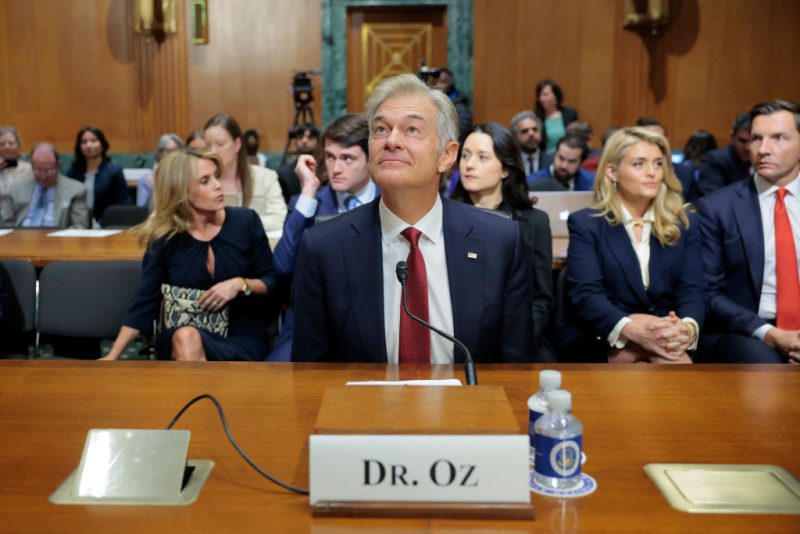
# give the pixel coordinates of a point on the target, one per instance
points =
(123, 216)
(19, 306)
(83, 302)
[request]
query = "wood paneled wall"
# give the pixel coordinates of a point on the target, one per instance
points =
(247, 68)
(715, 59)
(65, 64)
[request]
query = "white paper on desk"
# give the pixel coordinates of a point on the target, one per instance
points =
(74, 232)
(447, 382)
(6, 231)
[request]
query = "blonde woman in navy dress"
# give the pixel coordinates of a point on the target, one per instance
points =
(194, 241)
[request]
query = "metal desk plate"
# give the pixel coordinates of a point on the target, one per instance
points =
(727, 489)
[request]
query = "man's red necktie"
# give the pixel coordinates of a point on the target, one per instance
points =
(415, 339)
(788, 281)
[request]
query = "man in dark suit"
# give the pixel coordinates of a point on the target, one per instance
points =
(728, 164)
(565, 173)
(527, 129)
(346, 145)
(751, 232)
(468, 270)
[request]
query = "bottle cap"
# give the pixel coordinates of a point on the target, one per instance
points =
(559, 400)
(549, 379)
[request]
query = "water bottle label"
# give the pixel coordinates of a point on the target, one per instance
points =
(558, 458)
(532, 417)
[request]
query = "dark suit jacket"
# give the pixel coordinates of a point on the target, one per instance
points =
(535, 226)
(285, 255)
(605, 284)
(719, 168)
(338, 295)
(288, 180)
(733, 254)
(110, 187)
(544, 181)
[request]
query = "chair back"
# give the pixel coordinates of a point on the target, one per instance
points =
(86, 298)
(21, 293)
(122, 216)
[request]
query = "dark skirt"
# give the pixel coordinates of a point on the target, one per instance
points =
(218, 348)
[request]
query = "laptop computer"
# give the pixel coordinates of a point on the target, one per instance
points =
(558, 205)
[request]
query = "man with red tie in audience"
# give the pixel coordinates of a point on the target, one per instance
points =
(468, 270)
(751, 232)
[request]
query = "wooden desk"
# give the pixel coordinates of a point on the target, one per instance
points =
(632, 416)
(36, 247)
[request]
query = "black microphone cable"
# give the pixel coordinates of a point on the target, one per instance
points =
(233, 441)
(401, 270)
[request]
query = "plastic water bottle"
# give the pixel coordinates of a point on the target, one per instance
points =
(559, 437)
(537, 403)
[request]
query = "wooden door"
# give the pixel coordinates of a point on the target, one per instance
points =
(384, 42)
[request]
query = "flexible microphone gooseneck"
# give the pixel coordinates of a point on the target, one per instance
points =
(401, 270)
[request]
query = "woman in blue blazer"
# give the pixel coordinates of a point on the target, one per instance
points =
(634, 264)
(104, 181)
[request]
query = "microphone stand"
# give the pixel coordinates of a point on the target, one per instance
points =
(469, 364)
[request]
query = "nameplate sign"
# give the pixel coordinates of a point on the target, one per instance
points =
(419, 468)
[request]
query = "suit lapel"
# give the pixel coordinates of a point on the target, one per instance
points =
(465, 275)
(747, 213)
(363, 261)
(619, 243)
(58, 212)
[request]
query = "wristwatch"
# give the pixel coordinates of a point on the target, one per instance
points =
(245, 288)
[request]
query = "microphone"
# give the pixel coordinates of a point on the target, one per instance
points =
(401, 270)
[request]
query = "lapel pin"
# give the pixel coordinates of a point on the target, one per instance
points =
(472, 255)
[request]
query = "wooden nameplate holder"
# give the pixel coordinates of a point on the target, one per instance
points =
(448, 414)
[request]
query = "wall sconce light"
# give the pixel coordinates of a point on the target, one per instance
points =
(646, 14)
(155, 18)
(200, 21)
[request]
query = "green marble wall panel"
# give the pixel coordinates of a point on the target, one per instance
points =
(334, 47)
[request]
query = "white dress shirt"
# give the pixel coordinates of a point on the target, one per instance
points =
(642, 251)
(307, 206)
(395, 248)
(767, 197)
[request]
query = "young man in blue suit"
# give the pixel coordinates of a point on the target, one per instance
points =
(468, 270)
(751, 232)
(565, 173)
(346, 147)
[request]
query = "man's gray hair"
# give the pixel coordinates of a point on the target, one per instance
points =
(10, 130)
(161, 146)
(42, 145)
(447, 120)
(521, 116)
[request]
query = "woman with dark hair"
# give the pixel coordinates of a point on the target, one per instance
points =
(104, 181)
(492, 177)
(555, 117)
(243, 184)
(209, 265)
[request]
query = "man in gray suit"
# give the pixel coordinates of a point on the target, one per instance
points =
(49, 199)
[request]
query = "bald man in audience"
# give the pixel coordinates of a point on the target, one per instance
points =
(468, 270)
(48, 199)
